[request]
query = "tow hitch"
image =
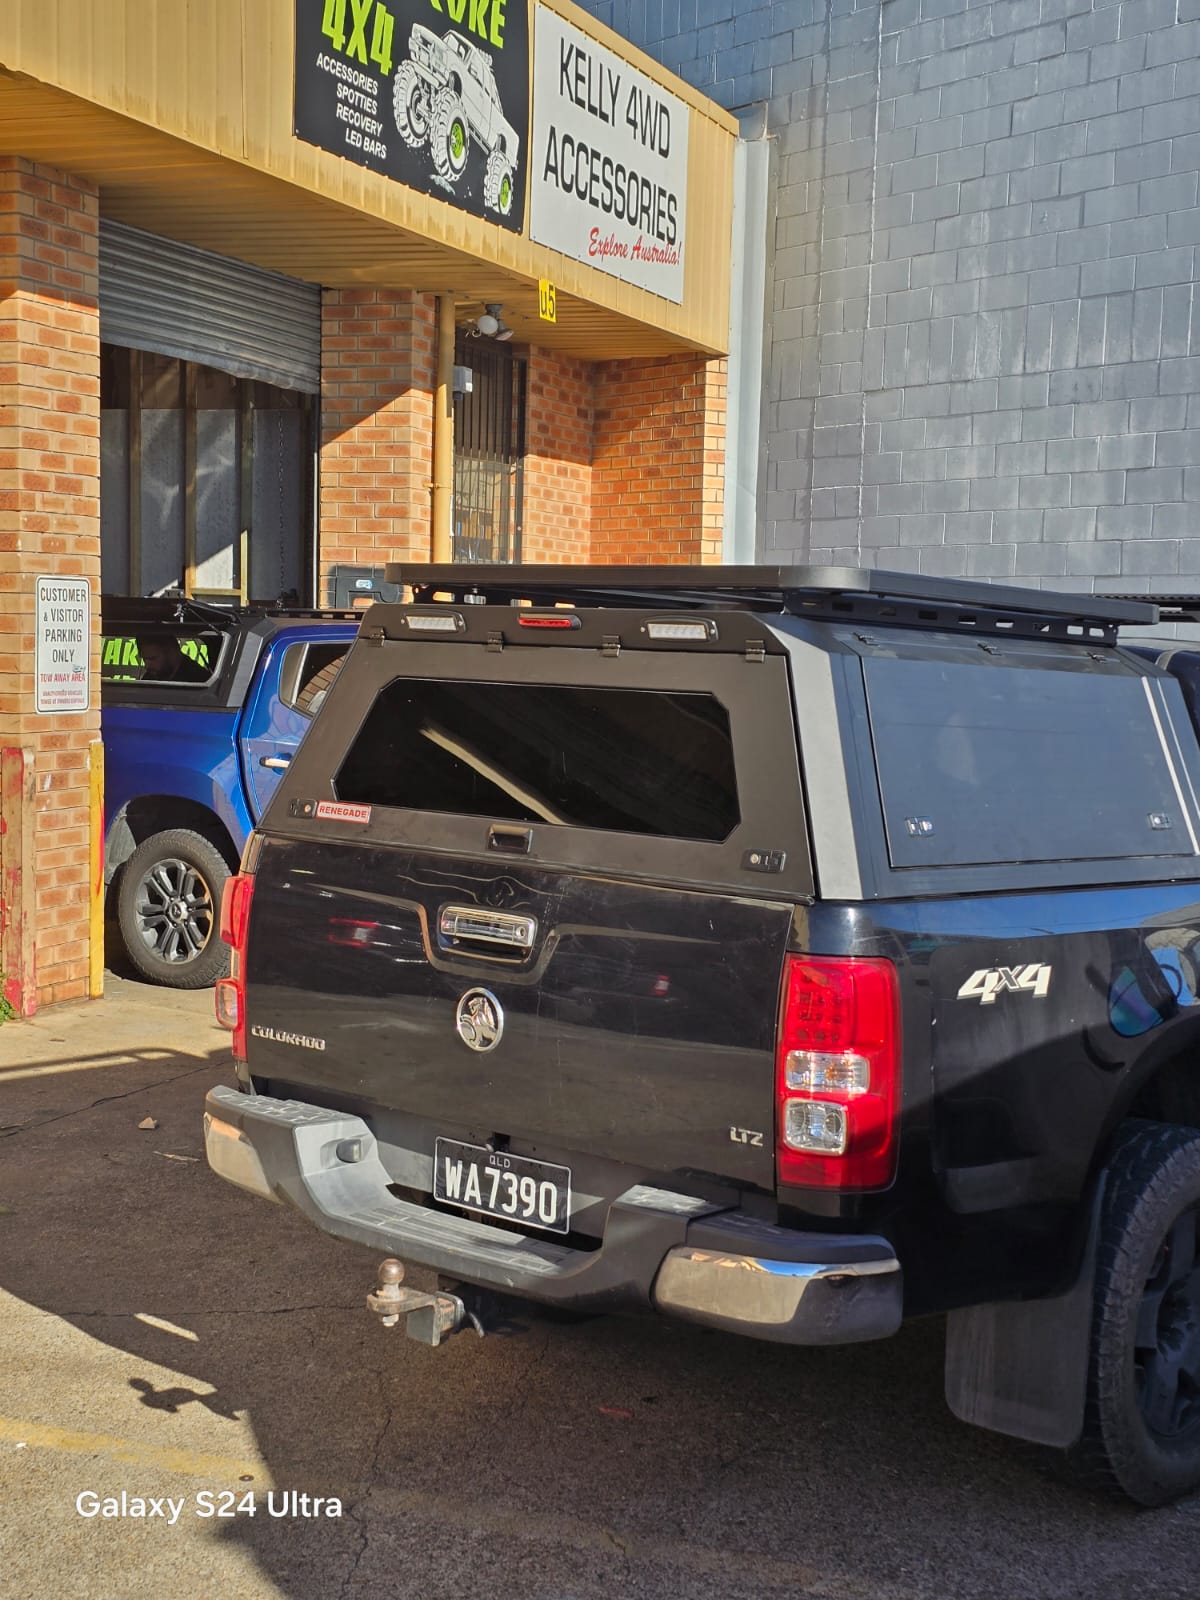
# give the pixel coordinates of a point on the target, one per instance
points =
(428, 1318)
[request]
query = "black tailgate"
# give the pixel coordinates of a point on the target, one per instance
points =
(640, 1027)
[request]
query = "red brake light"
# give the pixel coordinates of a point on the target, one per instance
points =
(837, 1073)
(235, 909)
(231, 991)
(562, 619)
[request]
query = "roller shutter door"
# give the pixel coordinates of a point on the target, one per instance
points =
(156, 294)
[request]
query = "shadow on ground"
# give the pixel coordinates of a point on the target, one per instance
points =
(609, 1456)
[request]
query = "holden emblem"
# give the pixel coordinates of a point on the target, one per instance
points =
(479, 1019)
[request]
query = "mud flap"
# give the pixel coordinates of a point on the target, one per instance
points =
(1020, 1367)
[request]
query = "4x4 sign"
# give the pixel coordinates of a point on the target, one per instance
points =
(985, 984)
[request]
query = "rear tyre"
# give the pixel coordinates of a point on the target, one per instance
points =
(169, 908)
(449, 140)
(1141, 1435)
(498, 183)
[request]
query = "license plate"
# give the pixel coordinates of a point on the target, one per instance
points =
(534, 1193)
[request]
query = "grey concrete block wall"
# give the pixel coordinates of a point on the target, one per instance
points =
(984, 348)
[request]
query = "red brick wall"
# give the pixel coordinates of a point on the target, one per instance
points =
(49, 524)
(378, 359)
(558, 458)
(658, 460)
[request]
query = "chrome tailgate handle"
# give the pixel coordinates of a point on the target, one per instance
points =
(477, 924)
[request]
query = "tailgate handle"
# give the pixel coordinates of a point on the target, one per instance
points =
(513, 841)
(476, 924)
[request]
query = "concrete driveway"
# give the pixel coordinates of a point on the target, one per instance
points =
(165, 1337)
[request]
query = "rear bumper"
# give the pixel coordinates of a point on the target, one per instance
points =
(661, 1249)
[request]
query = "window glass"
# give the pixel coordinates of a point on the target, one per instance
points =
(308, 670)
(627, 760)
(982, 764)
(161, 655)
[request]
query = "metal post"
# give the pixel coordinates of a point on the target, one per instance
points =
(189, 477)
(443, 431)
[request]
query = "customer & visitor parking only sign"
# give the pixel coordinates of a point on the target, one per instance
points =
(62, 650)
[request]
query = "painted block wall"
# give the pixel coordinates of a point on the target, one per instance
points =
(984, 345)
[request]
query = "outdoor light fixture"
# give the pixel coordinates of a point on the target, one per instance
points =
(491, 324)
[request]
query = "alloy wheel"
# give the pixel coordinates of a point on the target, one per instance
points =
(174, 910)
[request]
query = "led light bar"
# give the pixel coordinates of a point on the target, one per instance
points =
(699, 630)
(434, 621)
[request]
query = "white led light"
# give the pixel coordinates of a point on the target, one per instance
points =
(428, 622)
(681, 630)
(813, 1072)
(816, 1126)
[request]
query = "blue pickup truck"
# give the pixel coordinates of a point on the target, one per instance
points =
(203, 708)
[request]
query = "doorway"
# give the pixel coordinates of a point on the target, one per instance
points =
(206, 481)
(489, 454)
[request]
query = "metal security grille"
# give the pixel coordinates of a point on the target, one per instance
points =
(489, 454)
(174, 300)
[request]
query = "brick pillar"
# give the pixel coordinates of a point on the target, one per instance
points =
(49, 526)
(658, 461)
(378, 357)
(557, 510)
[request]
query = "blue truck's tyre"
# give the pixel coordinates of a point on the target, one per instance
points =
(1141, 1435)
(169, 910)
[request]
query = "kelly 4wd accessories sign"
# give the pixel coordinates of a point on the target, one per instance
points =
(432, 93)
(608, 161)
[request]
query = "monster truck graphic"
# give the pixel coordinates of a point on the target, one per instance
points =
(445, 95)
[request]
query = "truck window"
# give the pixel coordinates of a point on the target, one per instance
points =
(1010, 764)
(307, 672)
(161, 655)
(626, 760)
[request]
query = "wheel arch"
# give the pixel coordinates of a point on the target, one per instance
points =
(1162, 1084)
(1170, 1092)
(149, 814)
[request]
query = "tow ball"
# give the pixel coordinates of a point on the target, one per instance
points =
(428, 1318)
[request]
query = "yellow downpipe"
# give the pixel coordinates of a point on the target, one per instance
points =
(443, 431)
(96, 887)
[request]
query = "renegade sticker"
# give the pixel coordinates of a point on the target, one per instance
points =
(337, 811)
(988, 982)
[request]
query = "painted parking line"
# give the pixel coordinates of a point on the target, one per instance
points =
(14, 1431)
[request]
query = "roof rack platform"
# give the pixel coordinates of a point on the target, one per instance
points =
(844, 593)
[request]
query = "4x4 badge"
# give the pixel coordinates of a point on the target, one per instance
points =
(988, 982)
(479, 1019)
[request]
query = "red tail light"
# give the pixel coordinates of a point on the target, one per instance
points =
(231, 991)
(837, 1073)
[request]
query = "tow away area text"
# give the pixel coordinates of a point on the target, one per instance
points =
(206, 1503)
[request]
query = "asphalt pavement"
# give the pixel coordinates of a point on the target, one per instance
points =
(167, 1339)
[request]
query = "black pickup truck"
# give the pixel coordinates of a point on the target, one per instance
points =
(789, 950)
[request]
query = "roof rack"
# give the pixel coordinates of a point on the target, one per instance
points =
(173, 608)
(838, 593)
(1171, 607)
